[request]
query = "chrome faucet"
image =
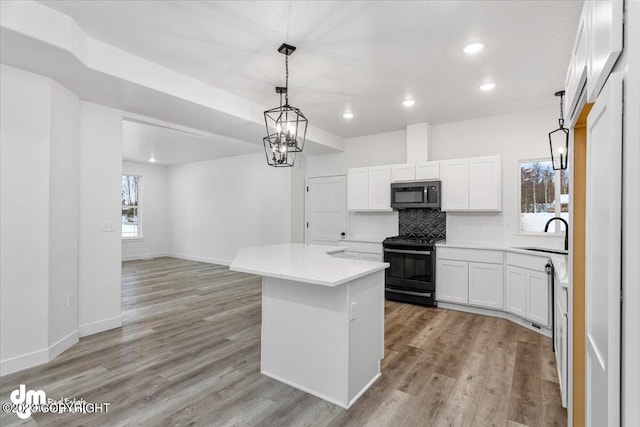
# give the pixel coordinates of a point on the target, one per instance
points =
(566, 227)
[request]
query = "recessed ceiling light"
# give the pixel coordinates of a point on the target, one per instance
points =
(347, 115)
(408, 102)
(487, 86)
(473, 48)
(152, 159)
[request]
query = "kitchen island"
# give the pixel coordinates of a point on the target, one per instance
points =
(322, 318)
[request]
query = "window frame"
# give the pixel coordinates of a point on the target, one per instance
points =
(139, 236)
(559, 231)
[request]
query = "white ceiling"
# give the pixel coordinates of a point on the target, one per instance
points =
(361, 56)
(170, 146)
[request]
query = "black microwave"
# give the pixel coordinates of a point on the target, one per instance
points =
(417, 194)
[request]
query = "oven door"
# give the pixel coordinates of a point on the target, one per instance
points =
(409, 269)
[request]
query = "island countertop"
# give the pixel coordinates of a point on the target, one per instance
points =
(304, 263)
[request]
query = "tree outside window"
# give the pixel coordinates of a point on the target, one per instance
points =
(131, 206)
(544, 194)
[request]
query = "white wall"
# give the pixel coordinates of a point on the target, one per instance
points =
(218, 206)
(63, 216)
(39, 219)
(100, 200)
(24, 254)
(153, 212)
(514, 136)
(371, 150)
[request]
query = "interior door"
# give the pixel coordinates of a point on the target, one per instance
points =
(603, 256)
(326, 209)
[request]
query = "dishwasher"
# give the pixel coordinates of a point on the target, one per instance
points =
(559, 328)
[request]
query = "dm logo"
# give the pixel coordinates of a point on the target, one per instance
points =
(24, 400)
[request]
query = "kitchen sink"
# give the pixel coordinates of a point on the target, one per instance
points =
(550, 251)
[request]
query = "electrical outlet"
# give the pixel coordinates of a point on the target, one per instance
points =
(352, 311)
(107, 227)
(70, 300)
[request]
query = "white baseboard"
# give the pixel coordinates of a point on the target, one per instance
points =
(100, 326)
(200, 259)
(501, 314)
(29, 360)
(344, 405)
(24, 361)
(143, 256)
(64, 343)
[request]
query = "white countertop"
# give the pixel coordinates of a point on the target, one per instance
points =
(304, 263)
(559, 260)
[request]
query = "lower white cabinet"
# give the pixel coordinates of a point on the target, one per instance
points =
(486, 287)
(528, 294)
(453, 281)
(516, 290)
(473, 277)
(499, 280)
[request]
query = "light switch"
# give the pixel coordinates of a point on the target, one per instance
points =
(352, 311)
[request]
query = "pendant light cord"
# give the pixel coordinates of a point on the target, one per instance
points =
(561, 120)
(286, 82)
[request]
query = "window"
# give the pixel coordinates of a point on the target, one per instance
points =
(131, 207)
(544, 194)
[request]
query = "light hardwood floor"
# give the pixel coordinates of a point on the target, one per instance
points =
(189, 354)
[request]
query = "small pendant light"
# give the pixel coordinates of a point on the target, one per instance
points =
(559, 140)
(286, 125)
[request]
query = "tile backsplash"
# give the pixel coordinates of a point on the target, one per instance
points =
(424, 223)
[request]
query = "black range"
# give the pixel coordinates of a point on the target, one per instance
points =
(411, 275)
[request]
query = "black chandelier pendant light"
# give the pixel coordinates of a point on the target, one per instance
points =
(286, 125)
(559, 140)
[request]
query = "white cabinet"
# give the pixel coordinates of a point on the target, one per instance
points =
(471, 184)
(605, 25)
(527, 288)
(484, 183)
(427, 170)
(380, 188)
(404, 172)
(466, 276)
(369, 188)
(455, 184)
(452, 281)
(486, 287)
(516, 290)
(538, 298)
(598, 44)
(358, 189)
(577, 71)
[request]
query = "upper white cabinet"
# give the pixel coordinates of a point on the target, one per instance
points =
(484, 183)
(596, 48)
(577, 72)
(369, 188)
(358, 189)
(422, 171)
(455, 184)
(404, 172)
(427, 170)
(606, 24)
(471, 184)
(380, 188)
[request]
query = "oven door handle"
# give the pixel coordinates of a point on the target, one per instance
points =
(402, 251)
(417, 294)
